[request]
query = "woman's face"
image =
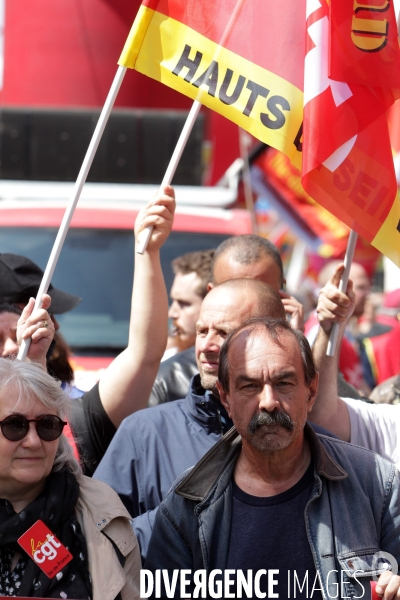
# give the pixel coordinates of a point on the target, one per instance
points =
(24, 465)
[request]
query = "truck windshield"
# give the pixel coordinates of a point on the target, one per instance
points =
(97, 265)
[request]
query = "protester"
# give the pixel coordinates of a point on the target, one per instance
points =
(125, 385)
(272, 495)
(251, 256)
(192, 274)
(350, 364)
(376, 427)
(248, 256)
(15, 326)
(40, 479)
(57, 356)
(388, 392)
(20, 279)
(381, 345)
(9, 315)
(244, 256)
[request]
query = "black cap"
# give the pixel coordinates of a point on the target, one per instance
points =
(20, 279)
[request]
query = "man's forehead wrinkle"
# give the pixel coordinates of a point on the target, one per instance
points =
(242, 344)
(256, 337)
(212, 318)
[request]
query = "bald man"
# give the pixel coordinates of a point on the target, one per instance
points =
(241, 257)
(152, 447)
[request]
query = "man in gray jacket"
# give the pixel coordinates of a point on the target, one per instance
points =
(273, 509)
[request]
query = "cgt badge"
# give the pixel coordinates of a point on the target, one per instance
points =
(44, 548)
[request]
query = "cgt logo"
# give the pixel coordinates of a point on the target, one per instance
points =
(50, 554)
(46, 549)
(369, 33)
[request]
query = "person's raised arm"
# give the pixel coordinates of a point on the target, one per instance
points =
(126, 384)
(39, 327)
(329, 410)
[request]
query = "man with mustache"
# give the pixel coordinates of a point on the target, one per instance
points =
(155, 446)
(272, 498)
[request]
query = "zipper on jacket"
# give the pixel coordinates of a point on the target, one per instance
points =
(220, 422)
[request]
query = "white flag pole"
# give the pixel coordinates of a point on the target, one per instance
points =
(187, 128)
(348, 259)
(80, 182)
(173, 164)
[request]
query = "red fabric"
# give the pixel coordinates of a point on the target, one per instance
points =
(360, 187)
(210, 19)
(68, 434)
(364, 46)
(350, 365)
(349, 361)
(386, 351)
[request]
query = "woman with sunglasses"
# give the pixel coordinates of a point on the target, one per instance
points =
(41, 480)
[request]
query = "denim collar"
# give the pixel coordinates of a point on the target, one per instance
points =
(225, 452)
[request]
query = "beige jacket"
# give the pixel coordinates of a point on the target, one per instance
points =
(98, 510)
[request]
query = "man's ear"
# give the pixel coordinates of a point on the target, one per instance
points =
(313, 387)
(223, 397)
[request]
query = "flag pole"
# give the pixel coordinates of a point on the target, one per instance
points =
(348, 259)
(80, 182)
(173, 164)
(187, 128)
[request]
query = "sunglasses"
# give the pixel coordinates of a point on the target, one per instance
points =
(16, 427)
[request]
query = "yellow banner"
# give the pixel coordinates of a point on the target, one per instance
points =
(387, 240)
(262, 103)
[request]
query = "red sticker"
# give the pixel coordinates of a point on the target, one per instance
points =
(45, 549)
(374, 595)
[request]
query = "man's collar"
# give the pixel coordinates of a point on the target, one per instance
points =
(212, 407)
(202, 477)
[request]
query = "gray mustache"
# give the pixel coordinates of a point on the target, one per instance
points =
(273, 418)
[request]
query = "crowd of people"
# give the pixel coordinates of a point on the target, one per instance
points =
(225, 447)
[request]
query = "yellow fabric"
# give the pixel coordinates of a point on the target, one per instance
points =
(135, 37)
(387, 240)
(154, 48)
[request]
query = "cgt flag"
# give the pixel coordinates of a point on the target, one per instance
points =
(347, 158)
(246, 59)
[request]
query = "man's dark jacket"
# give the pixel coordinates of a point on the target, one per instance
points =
(353, 513)
(154, 446)
(173, 377)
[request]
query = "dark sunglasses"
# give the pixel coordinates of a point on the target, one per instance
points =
(16, 427)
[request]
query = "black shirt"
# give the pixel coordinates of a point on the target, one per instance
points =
(269, 533)
(92, 427)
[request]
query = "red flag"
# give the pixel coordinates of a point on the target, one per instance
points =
(363, 46)
(347, 158)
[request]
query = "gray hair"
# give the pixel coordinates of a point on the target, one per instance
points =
(31, 381)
